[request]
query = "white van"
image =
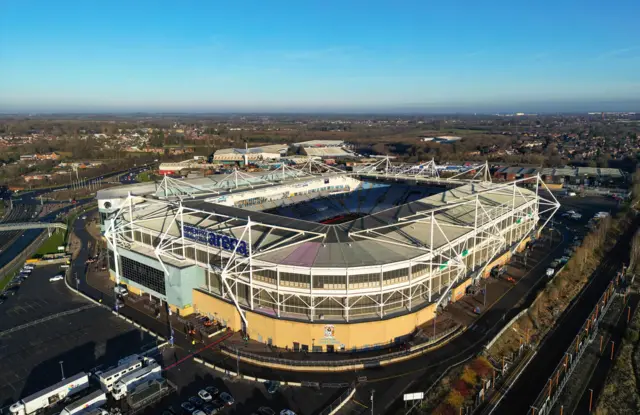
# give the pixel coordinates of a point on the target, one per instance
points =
(119, 289)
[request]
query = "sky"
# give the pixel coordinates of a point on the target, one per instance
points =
(297, 56)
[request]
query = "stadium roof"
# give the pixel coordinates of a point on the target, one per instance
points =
(340, 247)
(319, 143)
(274, 148)
(326, 152)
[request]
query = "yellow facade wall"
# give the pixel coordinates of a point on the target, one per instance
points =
(458, 292)
(504, 258)
(283, 333)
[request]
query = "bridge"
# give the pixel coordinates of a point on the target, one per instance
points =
(18, 226)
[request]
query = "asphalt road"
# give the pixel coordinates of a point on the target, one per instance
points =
(525, 390)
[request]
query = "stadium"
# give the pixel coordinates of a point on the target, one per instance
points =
(315, 257)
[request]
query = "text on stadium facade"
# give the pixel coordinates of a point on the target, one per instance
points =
(212, 238)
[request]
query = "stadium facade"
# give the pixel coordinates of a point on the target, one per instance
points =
(322, 261)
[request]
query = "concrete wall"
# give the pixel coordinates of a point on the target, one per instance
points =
(285, 332)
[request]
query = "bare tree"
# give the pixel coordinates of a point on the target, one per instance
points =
(634, 262)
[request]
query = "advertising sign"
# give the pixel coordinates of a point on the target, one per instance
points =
(329, 331)
(212, 238)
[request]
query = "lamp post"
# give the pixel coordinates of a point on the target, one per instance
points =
(372, 392)
(61, 369)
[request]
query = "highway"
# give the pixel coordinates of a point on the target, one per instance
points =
(526, 388)
(12, 243)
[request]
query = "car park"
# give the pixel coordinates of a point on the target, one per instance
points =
(227, 399)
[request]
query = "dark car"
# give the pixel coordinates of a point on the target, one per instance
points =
(227, 398)
(217, 403)
(265, 410)
(212, 390)
(188, 407)
(273, 386)
(196, 401)
(210, 409)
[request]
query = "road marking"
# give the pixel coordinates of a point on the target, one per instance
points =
(359, 403)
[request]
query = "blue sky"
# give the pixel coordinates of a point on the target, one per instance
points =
(272, 55)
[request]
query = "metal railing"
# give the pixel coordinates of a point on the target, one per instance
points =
(31, 225)
(367, 361)
(340, 401)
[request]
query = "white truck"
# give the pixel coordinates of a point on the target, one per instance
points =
(128, 383)
(125, 366)
(50, 396)
(86, 404)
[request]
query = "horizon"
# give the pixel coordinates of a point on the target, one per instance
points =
(362, 57)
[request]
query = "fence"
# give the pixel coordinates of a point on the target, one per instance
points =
(347, 363)
(335, 406)
(563, 371)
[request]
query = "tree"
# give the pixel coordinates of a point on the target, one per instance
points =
(634, 262)
(455, 399)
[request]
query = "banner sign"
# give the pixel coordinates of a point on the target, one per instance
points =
(212, 238)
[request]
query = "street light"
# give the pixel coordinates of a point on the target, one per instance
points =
(61, 369)
(372, 392)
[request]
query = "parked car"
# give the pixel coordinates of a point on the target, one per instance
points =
(265, 410)
(120, 290)
(210, 409)
(273, 386)
(205, 396)
(212, 390)
(198, 412)
(196, 401)
(227, 399)
(287, 412)
(188, 407)
(218, 403)
(550, 272)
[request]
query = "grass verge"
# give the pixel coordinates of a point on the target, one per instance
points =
(50, 246)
